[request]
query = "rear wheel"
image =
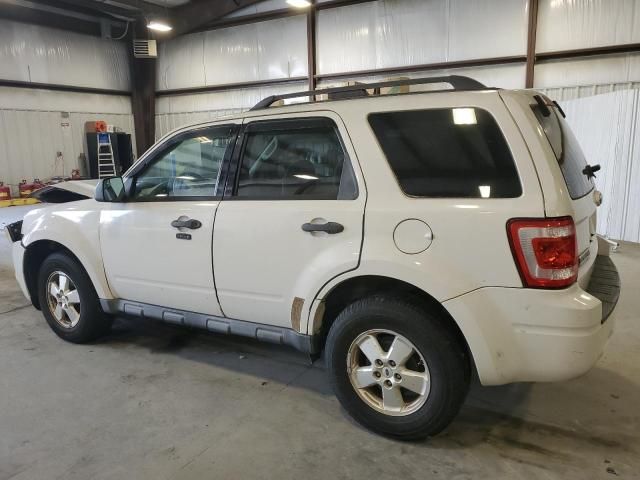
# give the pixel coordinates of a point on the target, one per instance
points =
(397, 369)
(68, 300)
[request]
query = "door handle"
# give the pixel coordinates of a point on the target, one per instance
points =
(191, 224)
(330, 227)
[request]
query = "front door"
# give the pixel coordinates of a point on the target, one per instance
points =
(291, 218)
(157, 246)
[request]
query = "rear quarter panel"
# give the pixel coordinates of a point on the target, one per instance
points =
(470, 248)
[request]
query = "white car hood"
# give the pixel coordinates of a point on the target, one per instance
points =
(83, 187)
(57, 193)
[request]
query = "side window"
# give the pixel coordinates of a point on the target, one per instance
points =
(295, 159)
(448, 152)
(188, 167)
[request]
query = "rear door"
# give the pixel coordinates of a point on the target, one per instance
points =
(291, 218)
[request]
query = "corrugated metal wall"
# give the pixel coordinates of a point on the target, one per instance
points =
(268, 50)
(607, 126)
(32, 126)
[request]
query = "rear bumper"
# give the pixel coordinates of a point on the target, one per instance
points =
(528, 335)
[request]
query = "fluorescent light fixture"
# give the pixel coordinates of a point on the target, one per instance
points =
(306, 177)
(485, 191)
(159, 26)
(299, 3)
(204, 139)
(464, 116)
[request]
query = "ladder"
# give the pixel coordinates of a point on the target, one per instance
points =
(106, 161)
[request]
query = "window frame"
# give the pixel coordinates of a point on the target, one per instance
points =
(423, 197)
(275, 124)
(166, 146)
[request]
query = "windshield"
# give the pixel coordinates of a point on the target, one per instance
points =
(566, 148)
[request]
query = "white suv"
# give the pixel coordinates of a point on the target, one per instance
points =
(415, 238)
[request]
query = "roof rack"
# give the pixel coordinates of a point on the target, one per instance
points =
(458, 82)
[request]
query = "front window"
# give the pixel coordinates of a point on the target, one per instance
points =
(188, 167)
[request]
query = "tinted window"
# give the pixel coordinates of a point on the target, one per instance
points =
(294, 159)
(457, 152)
(189, 167)
(567, 150)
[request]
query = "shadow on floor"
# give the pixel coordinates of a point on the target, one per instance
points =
(491, 415)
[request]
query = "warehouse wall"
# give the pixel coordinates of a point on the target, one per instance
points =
(400, 33)
(33, 127)
(36, 124)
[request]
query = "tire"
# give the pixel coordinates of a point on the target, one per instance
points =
(88, 322)
(437, 356)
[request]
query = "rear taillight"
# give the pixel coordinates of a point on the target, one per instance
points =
(545, 251)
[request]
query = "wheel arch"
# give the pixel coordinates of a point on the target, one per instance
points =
(35, 253)
(355, 288)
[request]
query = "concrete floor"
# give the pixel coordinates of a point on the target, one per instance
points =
(157, 402)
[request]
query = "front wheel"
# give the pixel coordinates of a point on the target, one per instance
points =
(68, 300)
(397, 369)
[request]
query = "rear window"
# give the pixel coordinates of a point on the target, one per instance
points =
(450, 152)
(566, 148)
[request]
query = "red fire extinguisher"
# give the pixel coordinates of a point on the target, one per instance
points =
(5, 192)
(25, 189)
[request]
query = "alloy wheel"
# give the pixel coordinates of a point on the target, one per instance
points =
(388, 372)
(63, 299)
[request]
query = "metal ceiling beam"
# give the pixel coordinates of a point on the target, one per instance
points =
(198, 13)
(91, 8)
(138, 5)
(47, 17)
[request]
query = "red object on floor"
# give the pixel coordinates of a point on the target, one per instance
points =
(37, 184)
(25, 189)
(5, 191)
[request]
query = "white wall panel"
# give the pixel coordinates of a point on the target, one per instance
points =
(588, 71)
(607, 127)
(260, 51)
(571, 93)
(31, 53)
(392, 33)
(502, 76)
(570, 24)
(33, 130)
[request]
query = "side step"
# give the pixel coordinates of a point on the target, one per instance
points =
(211, 323)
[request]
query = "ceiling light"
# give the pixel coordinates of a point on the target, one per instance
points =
(159, 26)
(305, 177)
(299, 3)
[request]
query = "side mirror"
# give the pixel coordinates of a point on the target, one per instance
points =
(110, 190)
